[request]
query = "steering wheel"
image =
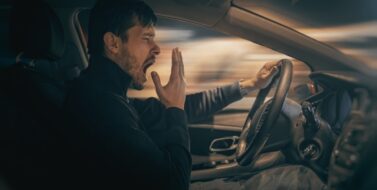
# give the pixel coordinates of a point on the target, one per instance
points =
(261, 118)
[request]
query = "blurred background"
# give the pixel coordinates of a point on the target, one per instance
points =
(347, 25)
(211, 59)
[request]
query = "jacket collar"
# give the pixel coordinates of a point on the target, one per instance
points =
(108, 75)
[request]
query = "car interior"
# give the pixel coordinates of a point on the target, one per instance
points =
(318, 113)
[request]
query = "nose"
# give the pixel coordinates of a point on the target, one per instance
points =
(155, 50)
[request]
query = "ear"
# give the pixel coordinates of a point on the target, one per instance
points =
(111, 43)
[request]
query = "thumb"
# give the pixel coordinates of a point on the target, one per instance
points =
(274, 71)
(157, 82)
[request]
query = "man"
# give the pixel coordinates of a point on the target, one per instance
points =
(120, 142)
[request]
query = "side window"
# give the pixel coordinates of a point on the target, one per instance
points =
(214, 59)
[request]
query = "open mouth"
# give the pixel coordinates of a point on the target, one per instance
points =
(147, 64)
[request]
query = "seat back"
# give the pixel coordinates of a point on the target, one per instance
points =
(32, 92)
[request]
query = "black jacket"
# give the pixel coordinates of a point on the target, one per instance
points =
(116, 141)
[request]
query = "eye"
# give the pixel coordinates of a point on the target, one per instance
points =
(146, 38)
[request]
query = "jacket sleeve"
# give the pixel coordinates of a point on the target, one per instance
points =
(130, 151)
(201, 105)
(198, 106)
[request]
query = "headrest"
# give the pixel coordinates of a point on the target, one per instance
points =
(65, 69)
(36, 30)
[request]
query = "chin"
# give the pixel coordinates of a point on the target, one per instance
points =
(137, 86)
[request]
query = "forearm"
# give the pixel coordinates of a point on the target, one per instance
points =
(204, 104)
(247, 86)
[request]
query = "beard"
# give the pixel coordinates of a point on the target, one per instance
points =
(131, 67)
(136, 86)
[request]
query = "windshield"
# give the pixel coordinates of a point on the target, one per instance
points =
(347, 25)
(211, 59)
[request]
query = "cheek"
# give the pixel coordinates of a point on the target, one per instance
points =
(131, 60)
(142, 53)
(138, 52)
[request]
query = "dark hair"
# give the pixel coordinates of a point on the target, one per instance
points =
(116, 16)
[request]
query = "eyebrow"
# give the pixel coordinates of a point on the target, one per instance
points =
(149, 34)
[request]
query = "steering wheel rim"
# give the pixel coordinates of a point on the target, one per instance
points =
(263, 117)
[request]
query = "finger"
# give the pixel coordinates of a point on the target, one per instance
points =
(276, 65)
(182, 66)
(274, 70)
(157, 83)
(270, 65)
(175, 65)
(265, 68)
(270, 73)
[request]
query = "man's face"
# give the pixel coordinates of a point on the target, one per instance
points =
(138, 53)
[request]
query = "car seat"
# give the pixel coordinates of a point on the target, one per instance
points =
(32, 92)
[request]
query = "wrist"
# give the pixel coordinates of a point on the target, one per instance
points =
(248, 85)
(175, 106)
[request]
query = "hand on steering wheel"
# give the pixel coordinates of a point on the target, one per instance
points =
(261, 119)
